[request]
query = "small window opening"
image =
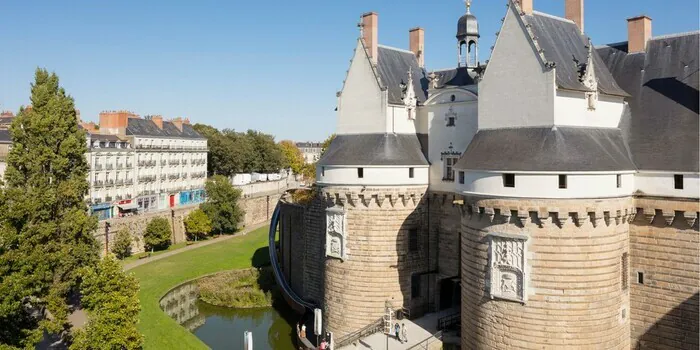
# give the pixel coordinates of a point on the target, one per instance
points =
(413, 240)
(323, 171)
(451, 121)
(410, 173)
(678, 182)
(619, 181)
(640, 277)
(452, 98)
(360, 173)
(562, 181)
(461, 177)
(508, 180)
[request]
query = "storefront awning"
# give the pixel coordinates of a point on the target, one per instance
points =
(128, 206)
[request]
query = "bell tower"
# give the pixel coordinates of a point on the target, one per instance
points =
(468, 39)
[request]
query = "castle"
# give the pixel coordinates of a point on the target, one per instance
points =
(550, 195)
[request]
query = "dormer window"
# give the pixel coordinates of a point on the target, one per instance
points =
(450, 117)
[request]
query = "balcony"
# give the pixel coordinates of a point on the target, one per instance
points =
(129, 165)
(109, 167)
(120, 166)
(98, 184)
(109, 183)
(98, 167)
(174, 162)
(129, 182)
(163, 163)
(162, 178)
(120, 182)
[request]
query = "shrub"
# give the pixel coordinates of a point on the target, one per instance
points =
(122, 244)
(197, 224)
(222, 205)
(247, 288)
(157, 235)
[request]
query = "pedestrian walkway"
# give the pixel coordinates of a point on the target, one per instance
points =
(420, 331)
(222, 238)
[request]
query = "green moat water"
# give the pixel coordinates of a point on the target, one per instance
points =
(223, 328)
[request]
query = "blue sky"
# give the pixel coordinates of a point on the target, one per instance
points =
(269, 65)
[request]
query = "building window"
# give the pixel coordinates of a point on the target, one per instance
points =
(410, 173)
(508, 180)
(415, 286)
(413, 240)
(452, 98)
(624, 263)
(461, 177)
(450, 121)
(562, 181)
(678, 182)
(619, 181)
(449, 174)
(360, 173)
(640, 277)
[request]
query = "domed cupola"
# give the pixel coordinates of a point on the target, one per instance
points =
(468, 39)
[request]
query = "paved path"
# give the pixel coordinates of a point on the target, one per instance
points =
(220, 239)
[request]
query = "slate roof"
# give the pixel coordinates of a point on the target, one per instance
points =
(561, 41)
(392, 67)
(105, 137)
(374, 149)
(562, 149)
(146, 127)
(309, 145)
(662, 129)
(461, 76)
(5, 136)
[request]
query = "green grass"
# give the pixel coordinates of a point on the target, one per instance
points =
(158, 252)
(158, 277)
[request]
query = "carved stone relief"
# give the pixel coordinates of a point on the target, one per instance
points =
(507, 259)
(335, 233)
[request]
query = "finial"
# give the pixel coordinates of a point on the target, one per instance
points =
(468, 3)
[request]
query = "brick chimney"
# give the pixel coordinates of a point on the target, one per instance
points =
(178, 123)
(115, 119)
(369, 34)
(158, 120)
(525, 6)
(574, 11)
(416, 41)
(638, 33)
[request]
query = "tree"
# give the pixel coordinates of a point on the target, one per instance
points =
(46, 234)
(197, 224)
(222, 205)
(243, 155)
(122, 244)
(110, 297)
(292, 156)
(326, 143)
(220, 150)
(157, 235)
(269, 154)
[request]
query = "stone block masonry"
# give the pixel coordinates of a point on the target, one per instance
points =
(257, 210)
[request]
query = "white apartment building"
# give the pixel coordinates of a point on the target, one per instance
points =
(111, 176)
(310, 150)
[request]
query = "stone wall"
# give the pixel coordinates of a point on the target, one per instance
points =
(258, 210)
(573, 295)
(379, 264)
(665, 249)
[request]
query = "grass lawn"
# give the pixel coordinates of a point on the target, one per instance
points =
(158, 277)
(170, 248)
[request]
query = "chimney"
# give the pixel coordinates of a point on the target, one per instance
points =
(186, 121)
(638, 33)
(158, 120)
(416, 41)
(369, 34)
(574, 11)
(178, 123)
(525, 6)
(114, 119)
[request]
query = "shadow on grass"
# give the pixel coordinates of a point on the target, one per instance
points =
(261, 257)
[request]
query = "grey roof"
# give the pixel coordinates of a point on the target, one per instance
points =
(562, 149)
(105, 137)
(467, 25)
(392, 67)
(561, 41)
(5, 136)
(146, 127)
(662, 130)
(461, 76)
(374, 149)
(309, 144)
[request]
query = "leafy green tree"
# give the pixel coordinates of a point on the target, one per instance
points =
(197, 224)
(46, 234)
(110, 297)
(243, 155)
(157, 235)
(326, 143)
(122, 244)
(269, 153)
(292, 156)
(220, 151)
(222, 205)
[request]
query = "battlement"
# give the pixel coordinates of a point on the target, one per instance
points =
(406, 197)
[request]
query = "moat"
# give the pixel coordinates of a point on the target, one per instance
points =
(223, 328)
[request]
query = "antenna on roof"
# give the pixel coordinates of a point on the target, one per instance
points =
(468, 3)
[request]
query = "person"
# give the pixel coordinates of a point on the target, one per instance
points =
(404, 333)
(324, 345)
(303, 331)
(397, 329)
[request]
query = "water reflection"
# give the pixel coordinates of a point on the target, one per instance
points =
(222, 328)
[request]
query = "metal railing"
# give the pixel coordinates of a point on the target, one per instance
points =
(374, 327)
(425, 344)
(449, 321)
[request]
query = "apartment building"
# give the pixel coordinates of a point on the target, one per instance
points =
(111, 177)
